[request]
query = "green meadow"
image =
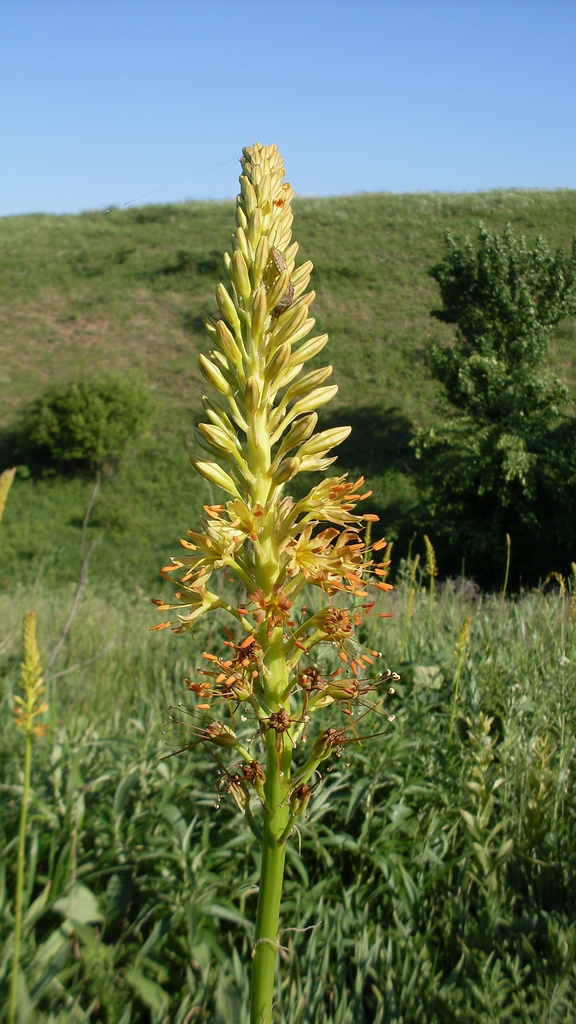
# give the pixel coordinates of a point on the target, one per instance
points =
(434, 879)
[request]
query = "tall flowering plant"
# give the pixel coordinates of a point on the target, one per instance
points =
(27, 710)
(260, 432)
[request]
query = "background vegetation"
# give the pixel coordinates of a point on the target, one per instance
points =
(127, 290)
(437, 876)
(437, 879)
(503, 463)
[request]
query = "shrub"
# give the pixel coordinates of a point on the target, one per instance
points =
(89, 422)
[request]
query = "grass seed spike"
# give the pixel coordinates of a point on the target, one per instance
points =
(259, 433)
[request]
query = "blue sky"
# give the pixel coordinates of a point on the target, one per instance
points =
(106, 101)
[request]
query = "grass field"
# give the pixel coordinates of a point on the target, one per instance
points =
(437, 879)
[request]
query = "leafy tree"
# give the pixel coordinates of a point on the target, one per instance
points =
(503, 459)
(87, 423)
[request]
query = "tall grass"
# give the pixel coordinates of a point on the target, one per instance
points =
(437, 879)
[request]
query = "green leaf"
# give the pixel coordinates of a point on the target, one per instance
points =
(152, 995)
(24, 1005)
(123, 790)
(226, 914)
(356, 797)
(399, 812)
(36, 909)
(79, 905)
(469, 819)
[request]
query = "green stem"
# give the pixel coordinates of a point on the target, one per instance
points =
(273, 693)
(507, 573)
(271, 877)
(407, 618)
(455, 698)
(409, 608)
(20, 881)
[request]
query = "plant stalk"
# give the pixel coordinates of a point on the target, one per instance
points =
(507, 572)
(271, 878)
(278, 750)
(461, 651)
(20, 882)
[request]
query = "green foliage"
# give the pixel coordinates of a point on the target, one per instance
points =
(503, 461)
(437, 880)
(505, 299)
(88, 423)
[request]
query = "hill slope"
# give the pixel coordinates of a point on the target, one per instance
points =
(129, 288)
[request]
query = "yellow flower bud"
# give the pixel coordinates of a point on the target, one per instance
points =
(240, 241)
(259, 310)
(315, 463)
(217, 415)
(240, 274)
(323, 441)
(290, 330)
(263, 190)
(314, 400)
(248, 195)
(252, 394)
(261, 257)
(227, 307)
(298, 432)
(290, 253)
(278, 289)
(226, 342)
(5, 483)
(287, 375)
(301, 277)
(218, 438)
(214, 473)
(213, 375)
(255, 228)
(286, 470)
(309, 349)
(279, 360)
(307, 382)
(209, 326)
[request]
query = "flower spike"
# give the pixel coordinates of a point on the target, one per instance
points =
(259, 433)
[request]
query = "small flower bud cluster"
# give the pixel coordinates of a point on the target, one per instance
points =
(29, 707)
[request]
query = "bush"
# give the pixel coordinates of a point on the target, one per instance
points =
(88, 423)
(502, 461)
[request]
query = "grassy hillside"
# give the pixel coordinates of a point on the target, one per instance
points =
(128, 288)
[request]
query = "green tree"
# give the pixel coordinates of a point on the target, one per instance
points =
(502, 460)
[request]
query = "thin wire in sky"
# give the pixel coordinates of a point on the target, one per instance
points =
(173, 183)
